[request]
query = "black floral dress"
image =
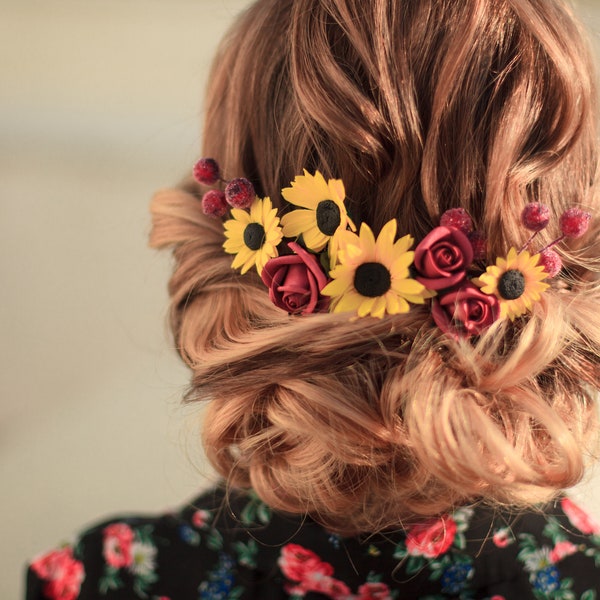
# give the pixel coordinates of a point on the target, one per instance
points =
(240, 549)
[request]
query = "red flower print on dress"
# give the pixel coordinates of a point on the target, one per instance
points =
(118, 538)
(61, 572)
(503, 537)
(431, 538)
(297, 563)
(200, 518)
(562, 550)
(579, 518)
(374, 591)
(326, 585)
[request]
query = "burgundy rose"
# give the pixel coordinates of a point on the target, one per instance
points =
(465, 311)
(295, 281)
(442, 258)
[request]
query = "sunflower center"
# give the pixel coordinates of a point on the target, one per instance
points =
(372, 279)
(328, 216)
(511, 285)
(254, 235)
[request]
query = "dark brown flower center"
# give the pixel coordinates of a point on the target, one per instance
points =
(254, 236)
(372, 279)
(511, 285)
(328, 216)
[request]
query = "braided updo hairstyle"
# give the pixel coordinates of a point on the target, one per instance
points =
(418, 107)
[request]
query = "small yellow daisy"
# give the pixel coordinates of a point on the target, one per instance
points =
(253, 236)
(516, 281)
(322, 213)
(372, 276)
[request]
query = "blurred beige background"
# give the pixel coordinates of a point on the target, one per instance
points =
(99, 107)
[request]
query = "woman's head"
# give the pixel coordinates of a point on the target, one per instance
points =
(418, 107)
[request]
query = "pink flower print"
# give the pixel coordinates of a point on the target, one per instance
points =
(61, 572)
(579, 518)
(562, 550)
(503, 537)
(326, 585)
(374, 591)
(200, 518)
(431, 538)
(297, 563)
(118, 538)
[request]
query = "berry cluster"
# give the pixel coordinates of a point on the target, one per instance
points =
(460, 219)
(573, 223)
(239, 192)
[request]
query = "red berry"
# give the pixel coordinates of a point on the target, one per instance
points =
(214, 203)
(479, 245)
(240, 193)
(535, 216)
(551, 262)
(458, 218)
(206, 171)
(574, 222)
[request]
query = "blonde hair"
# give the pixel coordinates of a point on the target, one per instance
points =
(419, 107)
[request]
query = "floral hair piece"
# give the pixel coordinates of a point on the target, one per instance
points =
(313, 259)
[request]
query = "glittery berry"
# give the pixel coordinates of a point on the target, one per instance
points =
(206, 171)
(214, 203)
(551, 262)
(574, 222)
(240, 193)
(479, 245)
(535, 216)
(458, 218)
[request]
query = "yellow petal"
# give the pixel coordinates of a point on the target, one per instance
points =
(348, 302)
(338, 193)
(298, 221)
(367, 240)
(365, 307)
(384, 246)
(379, 307)
(242, 257)
(314, 239)
(338, 286)
(402, 263)
(408, 286)
(240, 215)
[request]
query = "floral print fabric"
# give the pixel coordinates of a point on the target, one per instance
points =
(213, 550)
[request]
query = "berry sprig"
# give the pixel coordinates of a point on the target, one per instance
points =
(573, 224)
(460, 219)
(239, 192)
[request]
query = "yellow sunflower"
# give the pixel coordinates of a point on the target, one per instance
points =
(372, 276)
(322, 211)
(516, 281)
(253, 236)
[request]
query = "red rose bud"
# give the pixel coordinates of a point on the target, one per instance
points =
(551, 262)
(240, 193)
(574, 222)
(295, 281)
(458, 218)
(479, 245)
(465, 311)
(442, 258)
(214, 203)
(535, 216)
(206, 171)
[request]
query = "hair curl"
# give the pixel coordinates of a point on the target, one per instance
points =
(419, 107)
